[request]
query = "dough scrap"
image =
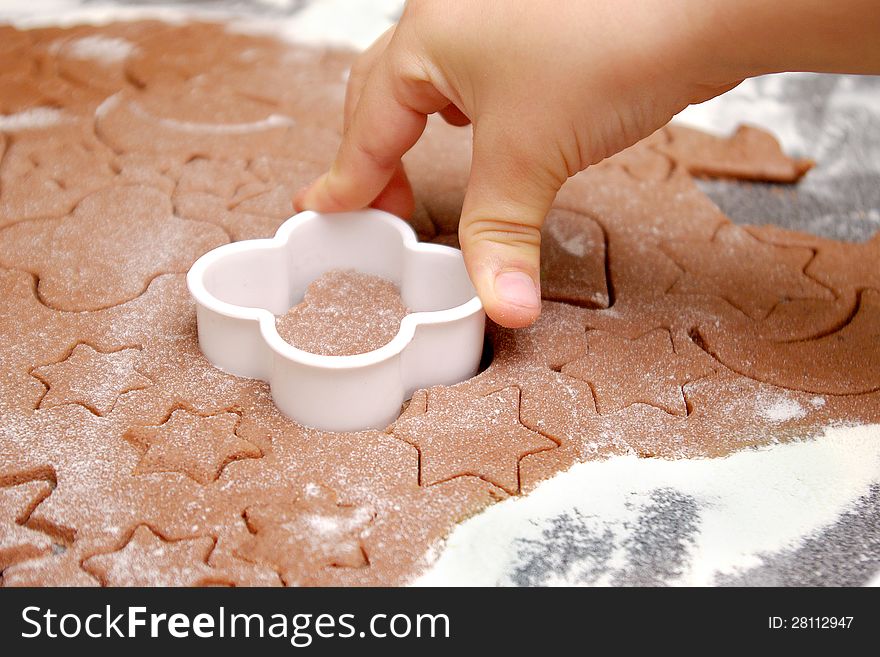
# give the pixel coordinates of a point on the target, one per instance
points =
(749, 154)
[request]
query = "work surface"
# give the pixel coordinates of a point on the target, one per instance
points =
(754, 517)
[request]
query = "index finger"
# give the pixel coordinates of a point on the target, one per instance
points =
(388, 120)
(360, 71)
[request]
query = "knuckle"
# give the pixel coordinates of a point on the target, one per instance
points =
(500, 231)
(375, 157)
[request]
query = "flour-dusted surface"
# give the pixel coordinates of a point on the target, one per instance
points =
(832, 119)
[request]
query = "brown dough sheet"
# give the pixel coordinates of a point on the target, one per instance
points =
(128, 150)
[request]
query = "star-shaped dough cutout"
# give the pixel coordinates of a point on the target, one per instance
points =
(646, 370)
(197, 446)
(148, 560)
(459, 435)
(17, 541)
(91, 378)
(751, 275)
(300, 537)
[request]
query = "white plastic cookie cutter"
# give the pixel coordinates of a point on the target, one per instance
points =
(239, 289)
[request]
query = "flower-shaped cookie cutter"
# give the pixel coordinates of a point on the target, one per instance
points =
(240, 288)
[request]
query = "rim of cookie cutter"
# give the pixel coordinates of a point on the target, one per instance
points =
(212, 309)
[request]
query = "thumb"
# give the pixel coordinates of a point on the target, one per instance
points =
(507, 199)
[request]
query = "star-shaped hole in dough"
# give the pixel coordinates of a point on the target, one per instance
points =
(149, 560)
(645, 370)
(91, 378)
(751, 275)
(573, 260)
(459, 435)
(300, 537)
(17, 541)
(195, 445)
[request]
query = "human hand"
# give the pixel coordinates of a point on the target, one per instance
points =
(549, 86)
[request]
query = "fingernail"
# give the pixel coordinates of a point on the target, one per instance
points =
(517, 288)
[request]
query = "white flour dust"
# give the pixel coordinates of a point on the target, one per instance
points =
(745, 507)
(99, 48)
(344, 23)
(779, 408)
(270, 122)
(575, 245)
(32, 119)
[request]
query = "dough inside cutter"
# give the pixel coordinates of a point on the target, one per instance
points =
(343, 313)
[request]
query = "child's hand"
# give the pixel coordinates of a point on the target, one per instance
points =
(550, 88)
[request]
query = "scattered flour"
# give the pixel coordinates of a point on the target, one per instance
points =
(106, 106)
(271, 121)
(38, 117)
(575, 245)
(100, 48)
(324, 526)
(346, 23)
(349, 23)
(280, 4)
(749, 505)
(66, 13)
(779, 408)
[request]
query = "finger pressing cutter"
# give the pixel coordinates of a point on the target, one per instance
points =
(239, 289)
